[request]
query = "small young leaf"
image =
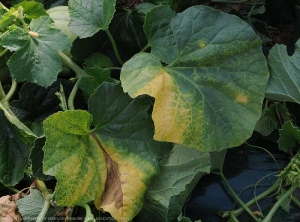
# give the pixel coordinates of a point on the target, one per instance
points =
(98, 60)
(95, 68)
(289, 134)
(32, 9)
(88, 17)
(15, 149)
(36, 58)
(97, 76)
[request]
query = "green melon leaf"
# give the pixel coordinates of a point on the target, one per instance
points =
(204, 99)
(127, 29)
(97, 76)
(95, 68)
(36, 158)
(15, 150)
(268, 122)
(98, 60)
(179, 174)
(285, 81)
(159, 33)
(289, 134)
(36, 102)
(36, 58)
(89, 17)
(109, 159)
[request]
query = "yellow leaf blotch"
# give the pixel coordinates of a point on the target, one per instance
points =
(169, 104)
(202, 44)
(153, 87)
(172, 113)
(124, 188)
(241, 98)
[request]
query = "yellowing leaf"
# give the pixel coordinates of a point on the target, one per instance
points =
(210, 96)
(111, 164)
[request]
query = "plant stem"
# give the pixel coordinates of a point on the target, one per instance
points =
(145, 48)
(12, 90)
(88, 214)
(111, 38)
(72, 65)
(275, 186)
(15, 190)
(296, 201)
(42, 187)
(47, 196)
(4, 34)
(278, 203)
(2, 93)
(73, 94)
(3, 6)
(45, 209)
(252, 9)
(116, 68)
(80, 73)
(238, 198)
(233, 216)
(2, 53)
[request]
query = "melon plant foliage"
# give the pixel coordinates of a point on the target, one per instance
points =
(197, 86)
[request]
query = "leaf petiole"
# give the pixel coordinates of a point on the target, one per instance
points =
(88, 214)
(145, 48)
(252, 9)
(238, 198)
(3, 34)
(73, 94)
(111, 38)
(3, 6)
(2, 53)
(2, 93)
(72, 65)
(12, 90)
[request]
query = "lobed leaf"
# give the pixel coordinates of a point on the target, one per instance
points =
(159, 33)
(210, 97)
(89, 17)
(179, 174)
(111, 164)
(34, 50)
(289, 134)
(15, 150)
(285, 80)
